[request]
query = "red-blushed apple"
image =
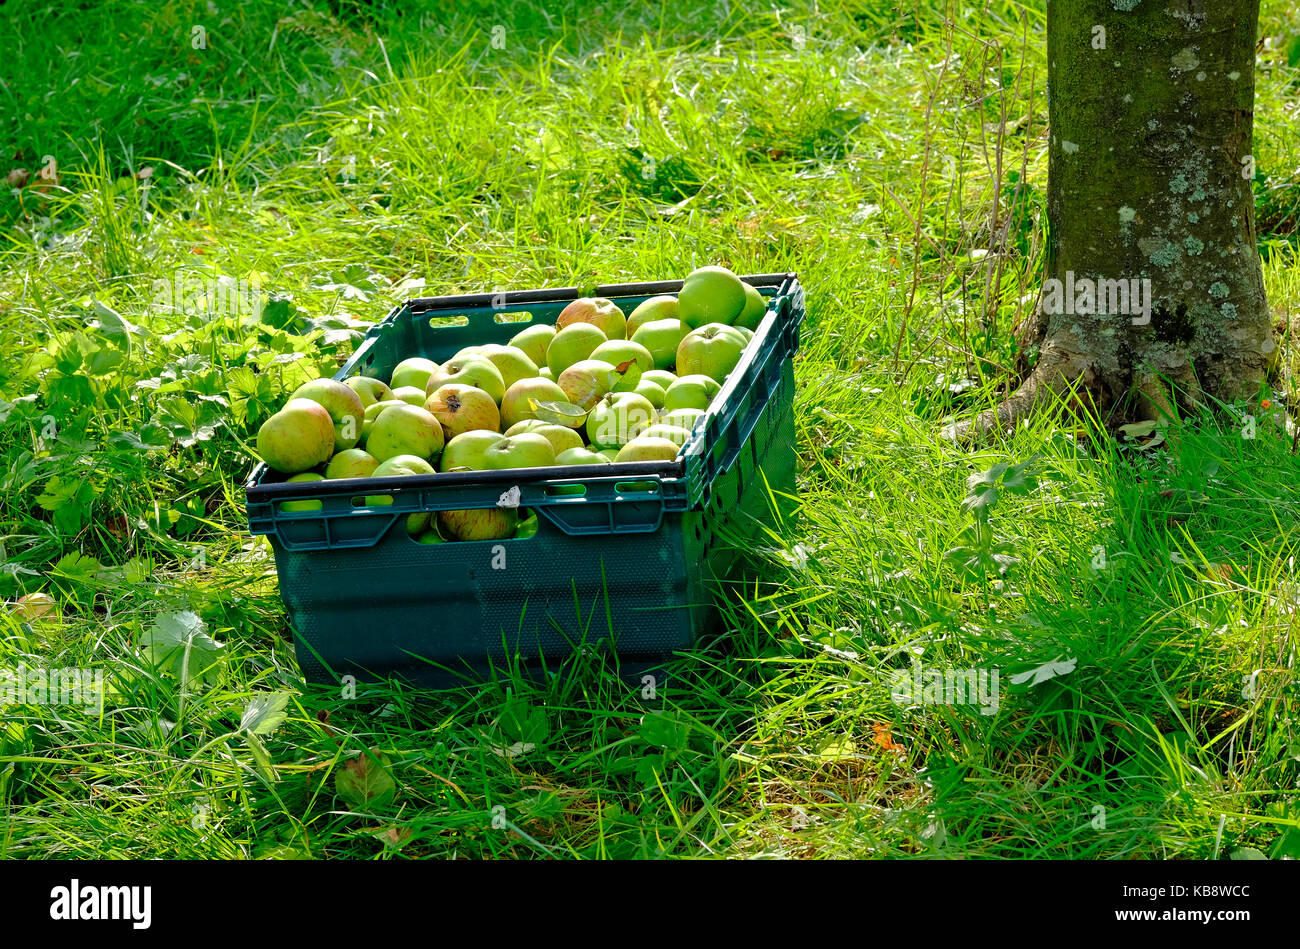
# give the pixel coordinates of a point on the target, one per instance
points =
(580, 456)
(712, 350)
(525, 450)
(533, 341)
(468, 451)
(294, 438)
(597, 311)
(560, 437)
(661, 339)
(587, 380)
(754, 311)
(643, 448)
(343, 405)
(691, 392)
(493, 523)
(461, 408)
(413, 372)
(522, 399)
(710, 295)
(351, 463)
(405, 430)
(618, 418)
(655, 308)
(470, 371)
(571, 344)
(302, 506)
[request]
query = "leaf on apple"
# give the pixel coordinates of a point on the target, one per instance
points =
(559, 413)
(624, 377)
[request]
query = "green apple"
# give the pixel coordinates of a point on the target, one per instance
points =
(525, 450)
(571, 344)
(461, 408)
(648, 311)
(597, 311)
(618, 351)
(405, 430)
(511, 362)
(493, 523)
(522, 398)
(581, 456)
(410, 395)
(652, 391)
(682, 418)
(431, 536)
(712, 350)
(661, 377)
(372, 413)
(294, 506)
(527, 527)
(560, 437)
(748, 333)
(351, 463)
(469, 371)
(400, 466)
(343, 405)
(369, 390)
(754, 311)
(413, 372)
(661, 339)
(609, 454)
(674, 433)
(691, 392)
(533, 341)
(545, 373)
(295, 438)
(644, 448)
(587, 380)
(468, 451)
(710, 295)
(618, 418)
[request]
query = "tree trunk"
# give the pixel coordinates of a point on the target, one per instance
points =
(1149, 182)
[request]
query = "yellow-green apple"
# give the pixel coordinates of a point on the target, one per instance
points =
(523, 398)
(712, 350)
(410, 395)
(413, 372)
(648, 311)
(343, 405)
(618, 351)
(493, 523)
(661, 339)
(545, 373)
(401, 466)
(351, 463)
(405, 430)
(618, 418)
(468, 451)
(533, 341)
(298, 437)
(587, 380)
(597, 311)
(644, 448)
(609, 454)
(674, 433)
(652, 391)
(372, 413)
(571, 344)
(580, 456)
(682, 418)
(560, 437)
(710, 295)
(525, 450)
(754, 311)
(461, 408)
(691, 392)
(469, 371)
(302, 505)
(511, 362)
(369, 390)
(661, 377)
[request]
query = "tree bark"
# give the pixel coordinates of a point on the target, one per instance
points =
(1149, 179)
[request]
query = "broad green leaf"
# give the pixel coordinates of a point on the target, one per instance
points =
(265, 713)
(561, 413)
(365, 780)
(178, 643)
(1045, 672)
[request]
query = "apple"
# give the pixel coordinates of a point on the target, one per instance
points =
(351, 463)
(581, 456)
(397, 466)
(748, 333)
(545, 373)
(303, 505)
(682, 418)
(560, 437)
(587, 380)
(343, 405)
(661, 339)
(652, 391)
(413, 372)
(461, 408)
(468, 451)
(527, 527)
(643, 448)
(493, 523)
(431, 536)
(618, 351)
(754, 311)
(674, 433)
(298, 437)
(372, 413)
(597, 311)
(369, 390)
(533, 341)
(609, 454)
(511, 362)
(712, 350)
(470, 371)
(525, 450)
(618, 418)
(691, 392)
(650, 310)
(410, 395)
(661, 377)
(520, 401)
(571, 344)
(710, 295)
(404, 430)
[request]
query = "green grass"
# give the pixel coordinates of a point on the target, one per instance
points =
(898, 162)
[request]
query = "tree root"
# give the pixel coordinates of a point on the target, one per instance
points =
(1056, 372)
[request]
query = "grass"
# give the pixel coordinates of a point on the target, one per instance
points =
(1140, 602)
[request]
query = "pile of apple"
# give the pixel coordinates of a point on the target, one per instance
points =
(597, 387)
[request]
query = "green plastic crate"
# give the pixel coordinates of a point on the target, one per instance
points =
(626, 554)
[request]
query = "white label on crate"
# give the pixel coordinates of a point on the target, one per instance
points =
(509, 498)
